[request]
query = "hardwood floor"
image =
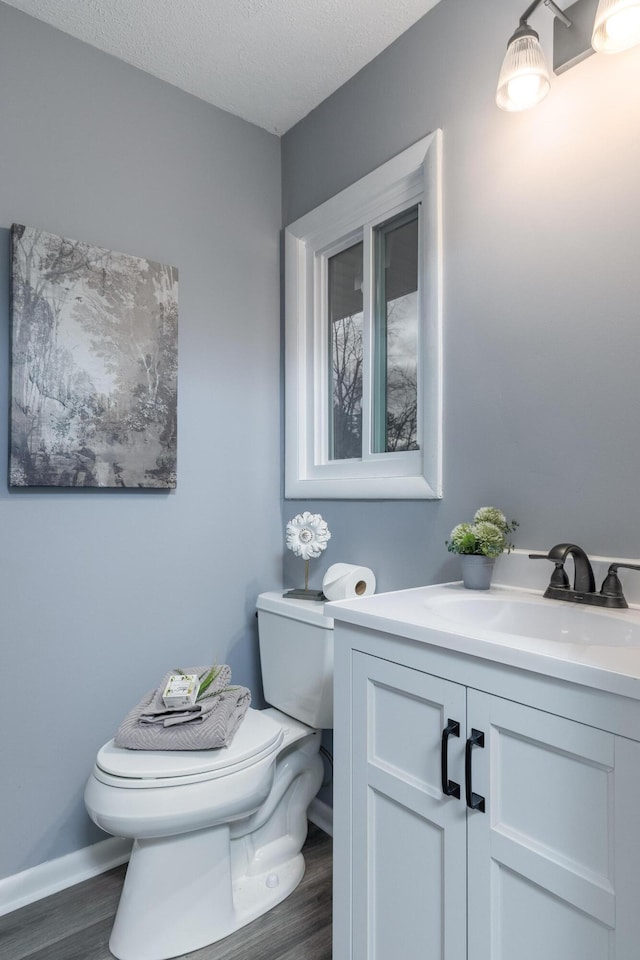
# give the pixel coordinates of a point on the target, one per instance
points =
(75, 924)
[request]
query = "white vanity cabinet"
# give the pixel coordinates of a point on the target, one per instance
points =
(535, 857)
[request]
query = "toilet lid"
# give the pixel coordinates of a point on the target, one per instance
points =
(257, 736)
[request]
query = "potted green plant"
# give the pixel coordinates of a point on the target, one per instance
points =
(479, 543)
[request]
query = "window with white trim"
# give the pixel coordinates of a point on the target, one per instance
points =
(363, 337)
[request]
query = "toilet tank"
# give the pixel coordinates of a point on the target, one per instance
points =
(296, 656)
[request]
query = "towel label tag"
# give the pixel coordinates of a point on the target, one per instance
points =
(181, 690)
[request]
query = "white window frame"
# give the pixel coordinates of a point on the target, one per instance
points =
(412, 177)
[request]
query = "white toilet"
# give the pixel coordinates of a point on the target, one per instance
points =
(218, 833)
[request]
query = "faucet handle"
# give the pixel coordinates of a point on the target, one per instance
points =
(559, 576)
(611, 586)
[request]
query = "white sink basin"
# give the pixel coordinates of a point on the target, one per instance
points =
(522, 616)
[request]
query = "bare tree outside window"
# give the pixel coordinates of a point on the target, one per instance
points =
(346, 353)
(402, 375)
(395, 325)
(396, 335)
(346, 370)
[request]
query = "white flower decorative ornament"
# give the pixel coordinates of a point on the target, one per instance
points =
(307, 536)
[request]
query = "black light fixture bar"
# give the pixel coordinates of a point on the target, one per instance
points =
(523, 25)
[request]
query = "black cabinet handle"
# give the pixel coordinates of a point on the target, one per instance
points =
(474, 800)
(449, 787)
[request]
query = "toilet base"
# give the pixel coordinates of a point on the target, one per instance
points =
(203, 911)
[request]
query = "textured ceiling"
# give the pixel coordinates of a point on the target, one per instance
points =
(268, 61)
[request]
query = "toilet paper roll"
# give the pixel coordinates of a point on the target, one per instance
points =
(344, 581)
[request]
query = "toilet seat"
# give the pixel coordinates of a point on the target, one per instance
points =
(257, 737)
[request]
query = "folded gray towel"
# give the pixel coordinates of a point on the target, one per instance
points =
(207, 725)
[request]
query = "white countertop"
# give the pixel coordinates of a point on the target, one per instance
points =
(417, 615)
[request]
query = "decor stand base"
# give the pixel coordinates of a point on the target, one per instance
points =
(298, 593)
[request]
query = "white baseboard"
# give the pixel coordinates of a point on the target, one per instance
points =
(321, 814)
(54, 875)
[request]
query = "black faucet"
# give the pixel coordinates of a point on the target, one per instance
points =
(584, 585)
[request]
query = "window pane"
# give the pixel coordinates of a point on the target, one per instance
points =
(345, 353)
(395, 425)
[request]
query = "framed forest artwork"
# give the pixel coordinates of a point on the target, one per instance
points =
(94, 366)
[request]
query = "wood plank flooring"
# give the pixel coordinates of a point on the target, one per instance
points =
(75, 924)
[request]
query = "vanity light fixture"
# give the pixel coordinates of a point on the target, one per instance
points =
(587, 26)
(617, 26)
(524, 77)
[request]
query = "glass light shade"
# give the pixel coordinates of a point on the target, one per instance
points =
(617, 26)
(524, 77)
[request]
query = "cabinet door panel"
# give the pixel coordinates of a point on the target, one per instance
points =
(404, 737)
(409, 840)
(544, 849)
(533, 924)
(546, 763)
(405, 904)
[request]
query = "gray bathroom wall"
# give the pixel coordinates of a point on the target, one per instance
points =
(101, 592)
(541, 287)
